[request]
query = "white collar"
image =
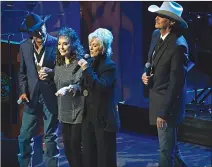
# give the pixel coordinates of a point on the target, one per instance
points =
(42, 58)
(163, 37)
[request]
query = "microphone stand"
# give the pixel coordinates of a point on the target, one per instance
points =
(9, 35)
(12, 120)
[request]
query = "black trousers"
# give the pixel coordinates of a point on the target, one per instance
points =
(71, 134)
(99, 146)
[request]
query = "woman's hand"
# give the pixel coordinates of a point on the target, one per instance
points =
(83, 64)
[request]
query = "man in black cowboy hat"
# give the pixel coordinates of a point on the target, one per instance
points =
(168, 56)
(37, 87)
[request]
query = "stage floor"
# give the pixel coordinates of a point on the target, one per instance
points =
(137, 150)
(199, 115)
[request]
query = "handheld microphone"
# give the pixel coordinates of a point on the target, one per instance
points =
(86, 57)
(148, 68)
(19, 101)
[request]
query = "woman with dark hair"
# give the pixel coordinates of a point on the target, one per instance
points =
(70, 103)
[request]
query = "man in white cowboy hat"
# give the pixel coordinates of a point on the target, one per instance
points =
(168, 56)
(37, 61)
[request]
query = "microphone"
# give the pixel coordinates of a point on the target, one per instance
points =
(19, 101)
(148, 68)
(86, 57)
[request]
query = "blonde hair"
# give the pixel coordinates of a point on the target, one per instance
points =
(105, 37)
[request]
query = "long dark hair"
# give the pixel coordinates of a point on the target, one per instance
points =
(77, 50)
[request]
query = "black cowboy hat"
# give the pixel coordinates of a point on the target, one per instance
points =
(33, 22)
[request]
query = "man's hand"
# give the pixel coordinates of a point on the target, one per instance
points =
(45, 72)
(145, 78)
(161, 123)
(23, 98)
(83, 64)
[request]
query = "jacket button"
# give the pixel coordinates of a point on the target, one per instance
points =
(85, 92)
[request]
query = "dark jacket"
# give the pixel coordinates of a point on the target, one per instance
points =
(100, 83)
(28, 79)
(167, 90)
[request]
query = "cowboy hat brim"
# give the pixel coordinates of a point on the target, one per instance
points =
(36, 26)
(180, 20)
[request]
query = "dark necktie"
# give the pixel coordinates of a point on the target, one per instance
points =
(157, 46)
(159, 43)
(39, 55)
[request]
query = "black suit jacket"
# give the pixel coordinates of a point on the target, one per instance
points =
(167, 89)
(101, 89)
(28, 78)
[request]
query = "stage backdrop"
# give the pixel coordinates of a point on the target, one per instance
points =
(62, 14)
(131, 24)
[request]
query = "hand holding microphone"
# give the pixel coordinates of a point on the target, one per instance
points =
(147, 75)
(23, 98)
(82, 63)
(148, 68)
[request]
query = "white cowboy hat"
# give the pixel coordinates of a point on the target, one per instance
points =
(170, 9)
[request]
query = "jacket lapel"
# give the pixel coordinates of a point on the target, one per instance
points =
(48, 50)
(152, 47)
(160, 53)
(30, 55)
(162, 49)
